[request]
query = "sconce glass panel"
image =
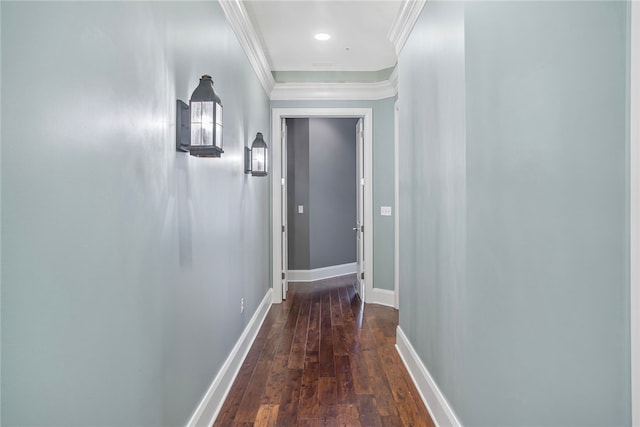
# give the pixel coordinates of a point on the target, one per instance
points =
(259, 160)
(196, 123)
(219, 124)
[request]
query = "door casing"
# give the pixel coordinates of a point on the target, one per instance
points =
(396, 202)
(277, 114)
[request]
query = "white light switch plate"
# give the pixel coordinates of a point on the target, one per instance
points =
(300, 209)
(385, 210)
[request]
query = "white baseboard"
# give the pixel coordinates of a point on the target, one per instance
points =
(437, 404)
(276, 297)
(383, 297)
(208, 409)
(322, 273)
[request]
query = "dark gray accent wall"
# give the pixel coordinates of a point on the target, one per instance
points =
(332, 191)
(321, 172)
(298, 193)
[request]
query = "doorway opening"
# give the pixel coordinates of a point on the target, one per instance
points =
(280, 223)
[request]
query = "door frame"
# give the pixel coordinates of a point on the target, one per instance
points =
(634, 153)
(396, 202)
(277, 114)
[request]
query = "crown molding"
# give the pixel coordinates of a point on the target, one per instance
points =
(403, 24)
(239, 21)
(332, 91)
(393, 78)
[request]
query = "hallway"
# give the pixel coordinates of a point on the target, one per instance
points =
(322, 358)
(502, 194)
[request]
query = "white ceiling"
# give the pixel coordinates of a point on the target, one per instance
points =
(358, 32)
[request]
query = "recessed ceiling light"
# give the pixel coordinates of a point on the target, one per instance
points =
(322, 36)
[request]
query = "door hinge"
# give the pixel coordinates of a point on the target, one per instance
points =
(283, 275)
(362, 275)
(362, 228)
(283, 228)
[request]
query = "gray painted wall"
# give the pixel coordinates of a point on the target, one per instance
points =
(383, 174)
(321, 159)
(0, 222)
(332, 191)
(298, 193)
(514, 232)
(123, 261)
(433, 195)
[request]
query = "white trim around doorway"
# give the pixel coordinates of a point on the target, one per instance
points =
(277, 114)
(634, 152)
(396, 202)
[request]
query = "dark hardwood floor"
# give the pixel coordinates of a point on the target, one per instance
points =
(322, 358)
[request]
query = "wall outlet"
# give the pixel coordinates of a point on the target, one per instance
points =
(300, 209)
(241, 305)
(385, 210)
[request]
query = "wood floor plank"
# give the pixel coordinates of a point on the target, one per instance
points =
(289, 327)
(386, 405)
(288, 412)
(327, 393)
(368, 414)
(344, 380)
(309, 406)
(348, 411)
(363, 341)
(312, 351)
(336, 308)
(392, 421)
(345, 305)
(361, 374)
(323, 358)
(377, 379)
(275, 382)
(298, 346)
(272, 340)
(340, 340)
(251, 400)
(327, 368)
(267, 416)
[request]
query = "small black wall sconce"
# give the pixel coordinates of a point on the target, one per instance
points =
(255, 158)
(199, 124)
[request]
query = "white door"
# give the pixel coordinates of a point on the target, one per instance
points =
(359, 228)
(283, 209)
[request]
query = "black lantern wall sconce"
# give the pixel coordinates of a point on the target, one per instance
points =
(199, 124)
(255, 158)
